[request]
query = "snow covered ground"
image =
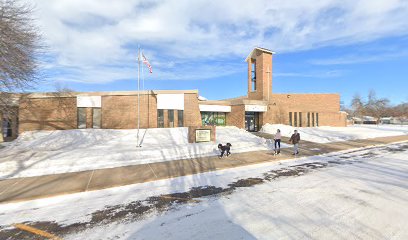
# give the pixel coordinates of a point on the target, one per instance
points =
(356, 194)
(50, 152)
(337, 134)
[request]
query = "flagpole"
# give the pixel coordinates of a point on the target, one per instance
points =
(138, 95)
(143, 77)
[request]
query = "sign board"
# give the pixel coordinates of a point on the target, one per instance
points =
(255, 108)
(170, 101)
(203, 135)
(214, 108)
(89, 101)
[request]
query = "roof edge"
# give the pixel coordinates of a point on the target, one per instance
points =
(260, 49)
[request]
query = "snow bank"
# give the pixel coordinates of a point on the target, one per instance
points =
(338, 134)
(49, 152)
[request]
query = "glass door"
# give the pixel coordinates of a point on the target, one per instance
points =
(252, 121)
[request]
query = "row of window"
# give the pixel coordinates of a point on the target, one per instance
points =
(207, 118)
(96, 118)
(170, 118)
(295, 119)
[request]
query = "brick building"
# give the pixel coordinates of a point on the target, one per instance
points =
(167, 108)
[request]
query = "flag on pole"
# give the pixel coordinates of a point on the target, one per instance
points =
(147, 63)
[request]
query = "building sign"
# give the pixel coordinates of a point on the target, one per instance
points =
(214, 108)
(170, 101)
(89, 101)
(255, 108)
(203, 135)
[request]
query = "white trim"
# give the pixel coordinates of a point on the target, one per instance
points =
(170, 101)
(214, 108)
(89, 101)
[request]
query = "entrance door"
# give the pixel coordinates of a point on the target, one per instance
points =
(252, 121)
(7, 130)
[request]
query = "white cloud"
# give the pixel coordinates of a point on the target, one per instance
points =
(314, 74)
(362, 57)
(95, 40)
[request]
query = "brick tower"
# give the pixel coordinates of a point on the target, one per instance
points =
(260, 74)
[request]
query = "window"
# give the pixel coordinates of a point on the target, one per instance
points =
(220, 119)
(317, 119)
(313, 120)
(160, 118)
(300, 119)
(213, 118)
(171, 117)
(180, 119)
(308, 119)
(96, 118)
(253, 77)
(81, 118)
(290, 119)
(206, 118)
(295, 117)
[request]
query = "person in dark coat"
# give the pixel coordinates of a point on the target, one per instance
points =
(295, 139)
(224, 148)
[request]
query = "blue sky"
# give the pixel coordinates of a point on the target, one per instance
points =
(332, 46)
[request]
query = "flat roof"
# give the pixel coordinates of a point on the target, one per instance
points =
(111, 93)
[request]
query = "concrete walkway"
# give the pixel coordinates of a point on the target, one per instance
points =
(20, 189)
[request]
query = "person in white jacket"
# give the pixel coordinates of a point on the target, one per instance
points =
(277, 139)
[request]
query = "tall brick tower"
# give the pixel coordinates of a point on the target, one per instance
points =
(260, 74)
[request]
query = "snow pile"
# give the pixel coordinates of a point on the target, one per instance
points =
(50, 152)
(338, 134)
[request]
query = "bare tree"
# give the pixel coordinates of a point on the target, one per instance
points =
(19, 46)
(357, 105)
(377, 107)
(401, 110)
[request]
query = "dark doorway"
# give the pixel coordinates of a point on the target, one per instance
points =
(7, 128)
(252, 121)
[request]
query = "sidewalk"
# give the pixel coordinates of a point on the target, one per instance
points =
(19, 189)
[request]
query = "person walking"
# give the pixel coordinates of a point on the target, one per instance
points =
(294, 139)
(277, 139)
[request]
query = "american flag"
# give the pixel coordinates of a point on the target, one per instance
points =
(147, 63)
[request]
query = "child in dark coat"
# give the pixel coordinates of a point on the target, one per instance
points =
(224, 148)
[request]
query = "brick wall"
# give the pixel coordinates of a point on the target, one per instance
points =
(89, 116)
(117, 112)
(192, 116)
(333, 119)
(309, 102)
(326, 105)
(47, 114)
(237, 116)
(121, 112)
